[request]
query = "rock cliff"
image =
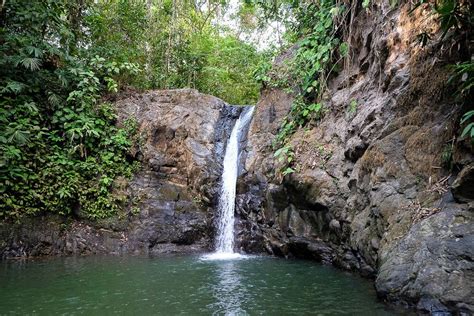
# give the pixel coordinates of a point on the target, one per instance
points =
(182, 141)
(371, 191)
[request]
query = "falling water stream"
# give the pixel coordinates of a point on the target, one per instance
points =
(226, 206)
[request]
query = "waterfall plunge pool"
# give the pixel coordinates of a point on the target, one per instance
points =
(182, 285)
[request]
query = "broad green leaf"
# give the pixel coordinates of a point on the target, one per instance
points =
(469, 129)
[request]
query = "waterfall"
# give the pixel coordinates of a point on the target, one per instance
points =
(226, 206)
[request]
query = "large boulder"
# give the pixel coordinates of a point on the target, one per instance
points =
(433, 265)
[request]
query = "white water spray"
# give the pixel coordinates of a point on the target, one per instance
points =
(226, 207)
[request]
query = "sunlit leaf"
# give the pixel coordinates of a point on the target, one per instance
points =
(31, 63)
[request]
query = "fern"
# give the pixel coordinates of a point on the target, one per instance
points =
(19, 137)
(13, 87)
(31, 63)
(54, 99)
(35, 51)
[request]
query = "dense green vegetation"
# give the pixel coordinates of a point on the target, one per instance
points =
(61, 151)
(176, 44)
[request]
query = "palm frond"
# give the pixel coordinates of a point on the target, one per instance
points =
(31, 63)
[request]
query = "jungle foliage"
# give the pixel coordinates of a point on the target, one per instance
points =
(177, 44)
(60, 148)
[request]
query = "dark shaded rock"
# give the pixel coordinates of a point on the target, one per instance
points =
(433, 307)
(355, 148)
(309, 249)
(463, 186)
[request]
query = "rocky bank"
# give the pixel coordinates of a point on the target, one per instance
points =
(372, 191)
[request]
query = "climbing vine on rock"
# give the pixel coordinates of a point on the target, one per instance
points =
(315, 60)
(318, 50)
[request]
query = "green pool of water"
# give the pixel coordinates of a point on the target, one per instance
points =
(182, 285)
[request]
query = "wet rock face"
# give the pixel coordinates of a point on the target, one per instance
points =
(371, 193)
(183, 135)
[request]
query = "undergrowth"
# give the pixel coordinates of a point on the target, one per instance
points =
(456, 22)
(60, 149)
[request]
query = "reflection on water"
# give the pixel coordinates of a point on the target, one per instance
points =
(182, 286)
(229, 291)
